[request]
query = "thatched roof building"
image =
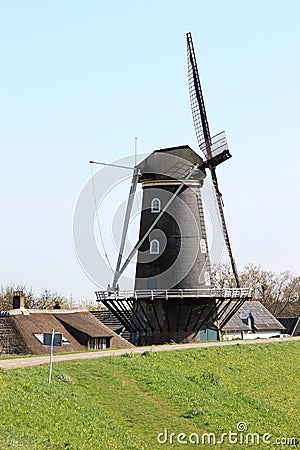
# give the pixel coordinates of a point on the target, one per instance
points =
(31, 326)
(21, 331)
(250, 321)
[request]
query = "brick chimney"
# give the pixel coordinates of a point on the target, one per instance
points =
(18, 300)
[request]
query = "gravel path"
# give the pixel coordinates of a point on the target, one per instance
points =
(16, 363)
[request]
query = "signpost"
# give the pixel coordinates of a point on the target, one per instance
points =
(52, 339)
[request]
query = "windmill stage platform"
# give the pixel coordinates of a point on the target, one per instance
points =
(163, 315)
(232, 293)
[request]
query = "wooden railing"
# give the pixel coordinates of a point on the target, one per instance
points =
(175, 293)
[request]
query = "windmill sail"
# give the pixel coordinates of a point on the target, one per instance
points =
(215, 149)
(197, 101)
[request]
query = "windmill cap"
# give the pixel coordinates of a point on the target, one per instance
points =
(171, 163)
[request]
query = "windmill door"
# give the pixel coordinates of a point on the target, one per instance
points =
(208, 333)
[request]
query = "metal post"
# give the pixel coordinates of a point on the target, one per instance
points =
(51, 357)
(133, 187)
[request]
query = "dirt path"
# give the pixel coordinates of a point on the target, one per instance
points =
(16, 363)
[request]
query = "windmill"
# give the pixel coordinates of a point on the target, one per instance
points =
(173, 299)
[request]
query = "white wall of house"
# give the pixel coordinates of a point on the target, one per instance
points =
(229, 335)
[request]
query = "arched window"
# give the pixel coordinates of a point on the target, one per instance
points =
(154, 247)
(155, 205)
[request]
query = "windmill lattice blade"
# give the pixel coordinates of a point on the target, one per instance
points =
(210, 147)
(197, 101)
(224, 226)
(218, 144)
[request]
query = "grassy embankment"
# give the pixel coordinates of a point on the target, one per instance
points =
(124, 402)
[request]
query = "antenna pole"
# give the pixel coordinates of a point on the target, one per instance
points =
(135, 151)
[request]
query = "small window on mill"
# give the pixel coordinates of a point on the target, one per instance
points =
(155, 205)
(154, 247)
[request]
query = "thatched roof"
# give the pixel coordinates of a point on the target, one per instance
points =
(263, 320)
(30, 324)
(85, 322)
(111, 321)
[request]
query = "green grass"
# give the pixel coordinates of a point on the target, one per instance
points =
(124, 402)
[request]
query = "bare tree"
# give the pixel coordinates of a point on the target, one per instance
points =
(279, 293)
(7, 293)
(46, 300)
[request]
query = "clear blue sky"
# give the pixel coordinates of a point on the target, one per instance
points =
(80, 79)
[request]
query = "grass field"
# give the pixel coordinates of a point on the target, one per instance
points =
(124, 402)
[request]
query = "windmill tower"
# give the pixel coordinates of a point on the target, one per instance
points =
(175, 255)
(173, 298)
